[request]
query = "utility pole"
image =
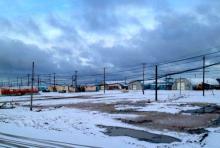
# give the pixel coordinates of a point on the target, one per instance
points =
(38, 81)
(156, 76)
(143, 78)
(28, 80)
(32, 85)
(125, 80)
(166, 83)
(76, 80)
(8, 82)
(21, 82)
(50, 79)
(17, 83)
(104, 81)
(203, 79)
(54, 81)
(72, 80)
(180, 85)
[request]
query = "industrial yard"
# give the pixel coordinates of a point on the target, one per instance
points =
(109, 73)
(108, 120)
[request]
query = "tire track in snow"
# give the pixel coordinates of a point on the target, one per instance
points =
(20, 141)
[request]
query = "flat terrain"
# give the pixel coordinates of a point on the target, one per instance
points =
(113, 119)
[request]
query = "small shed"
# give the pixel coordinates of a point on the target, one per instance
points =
(135, 85)
(182, 83)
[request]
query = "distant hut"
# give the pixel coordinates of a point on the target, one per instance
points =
(52, 89)
(114, 85)
(91, 88)
(57, 88)
(71, 89)
(182, 83)
(135, 85)
(218, 87)
(161, 85)
(61, 88)
(194, 84)
(149, 84)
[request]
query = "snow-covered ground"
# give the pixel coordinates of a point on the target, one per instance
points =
(78, 126)
(114, 96)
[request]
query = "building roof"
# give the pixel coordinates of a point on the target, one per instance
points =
(149, 81)
(153, 81)
(210, 81)
(115, 82)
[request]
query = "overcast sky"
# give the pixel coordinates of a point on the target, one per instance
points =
(87, 35)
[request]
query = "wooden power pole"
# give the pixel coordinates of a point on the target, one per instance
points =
(156, 87)
(28, 80)
(54, 81)
(104, 81)
(180, 85)
(72, 79)
(76, 81)
(38, 82)
(203, 77)
(32, 86)
(143, 78)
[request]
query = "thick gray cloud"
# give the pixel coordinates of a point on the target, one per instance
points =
(17, 56)
(108, 16)
(103, 33)
(177, 35)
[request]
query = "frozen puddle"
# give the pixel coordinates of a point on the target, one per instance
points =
(138, 134)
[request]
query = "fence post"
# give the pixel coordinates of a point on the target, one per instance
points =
(28, 80)
(203, 79)
(32, 85)
(156, 76)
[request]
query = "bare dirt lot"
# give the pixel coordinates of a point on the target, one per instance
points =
(187, 121)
